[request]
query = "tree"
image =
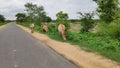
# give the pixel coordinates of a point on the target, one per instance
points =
(117, 16)
(2, 18)
(47, 19)
(40, 14)
(63, 18)
(21, 17)
(87, 21)
(106, 9)
(35, 13)
(30, 9)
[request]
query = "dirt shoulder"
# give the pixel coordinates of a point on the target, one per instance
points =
(73, 53)
(2, 26)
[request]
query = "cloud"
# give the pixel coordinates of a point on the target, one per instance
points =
(9, 8)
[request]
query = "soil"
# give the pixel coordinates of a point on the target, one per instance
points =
(2, 26)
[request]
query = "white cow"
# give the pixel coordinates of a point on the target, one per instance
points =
(61, 29)
(45, 28)
(32, 27)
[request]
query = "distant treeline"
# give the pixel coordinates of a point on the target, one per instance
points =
(77, 20)
(70, 20)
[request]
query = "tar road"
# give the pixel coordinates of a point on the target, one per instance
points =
(18, 49)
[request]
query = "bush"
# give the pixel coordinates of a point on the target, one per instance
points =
(62, 18)
(86, 21)
(111, 30)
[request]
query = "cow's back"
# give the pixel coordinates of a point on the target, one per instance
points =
(61, 27)
(44, 27)
(32, 25)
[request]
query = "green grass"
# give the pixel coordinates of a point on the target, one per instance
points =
(106, 46)
(2, 23)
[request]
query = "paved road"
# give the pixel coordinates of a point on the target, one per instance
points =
(20, 50)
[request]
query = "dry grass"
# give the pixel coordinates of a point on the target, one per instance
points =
(75, 27)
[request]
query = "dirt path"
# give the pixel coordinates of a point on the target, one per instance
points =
(2, 26)
(73, 53)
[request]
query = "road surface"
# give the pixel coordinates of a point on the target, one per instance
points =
(18, 49)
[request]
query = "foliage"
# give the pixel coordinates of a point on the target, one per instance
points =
(21, 17)
(87, 21)
(8, 21)
(3, 23)
(47, 19)
(111, 30)
(30, 9)
(36, 13)
(104, 45)
(63, 18)
(106, 9)
(105, 42)
(117, 16)
(2, 18)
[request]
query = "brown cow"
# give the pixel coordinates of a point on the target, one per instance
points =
(32, 27)
(61, 29)
(45, 28)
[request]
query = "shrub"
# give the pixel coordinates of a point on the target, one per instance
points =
(87, 21)
(62, 18)
(111, 30)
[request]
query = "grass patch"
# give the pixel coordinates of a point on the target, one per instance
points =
(2, 23)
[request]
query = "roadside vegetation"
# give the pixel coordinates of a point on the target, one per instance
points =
(106, 39)
(2, 20)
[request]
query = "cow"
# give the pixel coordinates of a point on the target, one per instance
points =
(44, 28)
(61, 29)
(32, 27)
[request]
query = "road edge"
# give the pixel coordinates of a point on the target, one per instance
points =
(2, 26)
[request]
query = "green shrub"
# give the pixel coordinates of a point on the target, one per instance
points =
(86, 21)
(111, 30)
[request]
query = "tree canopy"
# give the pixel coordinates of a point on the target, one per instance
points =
(63, 18)
(36, 13)
(106, 9)
(86, 21)
(2, 18)
(21, 17)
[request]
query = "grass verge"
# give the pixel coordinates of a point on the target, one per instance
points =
(105, 46)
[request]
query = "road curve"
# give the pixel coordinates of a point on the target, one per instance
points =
(18, 49)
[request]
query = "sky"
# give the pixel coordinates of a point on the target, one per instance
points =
(9, 8)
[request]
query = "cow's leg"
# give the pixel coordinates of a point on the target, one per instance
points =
(32, 31)
(63, 35)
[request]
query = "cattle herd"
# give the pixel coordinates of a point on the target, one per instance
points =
(61, 29)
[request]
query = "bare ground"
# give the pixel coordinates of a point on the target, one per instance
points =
(2, 26)
(73, 53)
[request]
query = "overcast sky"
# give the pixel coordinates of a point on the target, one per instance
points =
(9, 8)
